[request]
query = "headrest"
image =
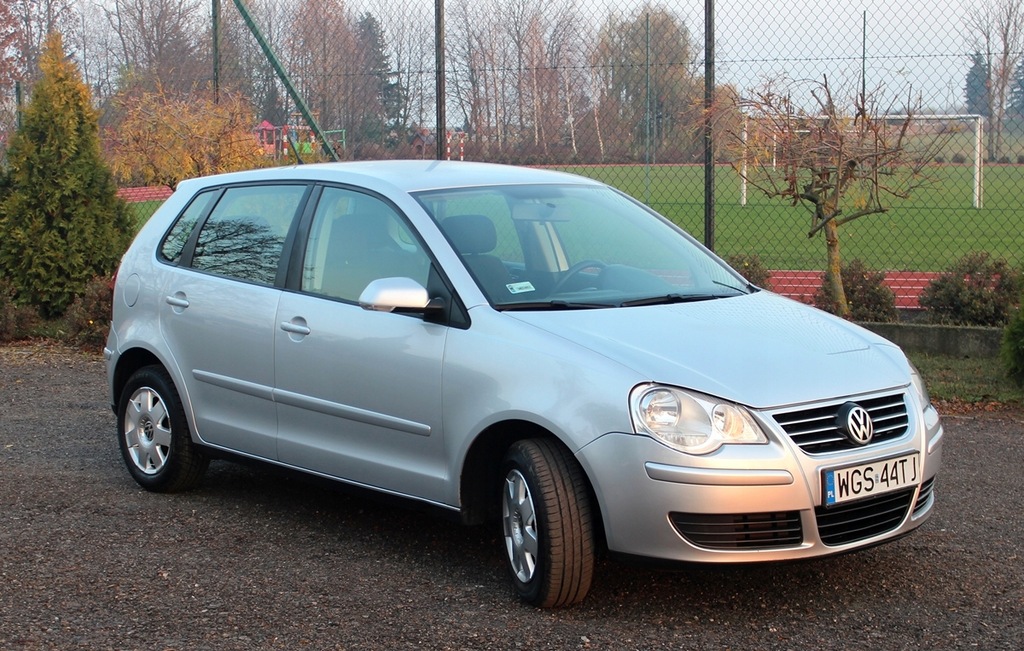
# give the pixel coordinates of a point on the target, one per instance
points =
(471, 234)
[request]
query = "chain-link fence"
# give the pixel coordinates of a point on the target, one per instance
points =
(613, 90)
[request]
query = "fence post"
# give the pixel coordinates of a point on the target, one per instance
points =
(709, 141)
(439, 76)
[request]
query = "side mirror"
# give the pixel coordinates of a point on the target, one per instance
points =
(397, 295)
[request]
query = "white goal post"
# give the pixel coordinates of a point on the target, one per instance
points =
(978, 152)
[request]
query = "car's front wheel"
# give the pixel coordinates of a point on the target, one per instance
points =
(548, 529)
(154, 435)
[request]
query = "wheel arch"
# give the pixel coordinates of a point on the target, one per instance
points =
(128, 362)
(479, 485)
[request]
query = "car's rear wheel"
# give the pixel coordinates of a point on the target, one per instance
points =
(548, 529)
(154, 435)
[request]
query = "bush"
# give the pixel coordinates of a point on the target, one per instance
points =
(88, 318)
(752, 269)
(866, 294)
(16, 321)
(1012, 351)
(978, 290)
(959, 159)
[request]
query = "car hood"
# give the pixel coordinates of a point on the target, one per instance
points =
(761, 350)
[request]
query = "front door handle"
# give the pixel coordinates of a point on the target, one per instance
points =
(296, 326)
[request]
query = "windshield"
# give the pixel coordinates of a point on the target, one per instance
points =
(574, 246)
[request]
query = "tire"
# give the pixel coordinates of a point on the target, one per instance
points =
(154, 435)
(548, 528)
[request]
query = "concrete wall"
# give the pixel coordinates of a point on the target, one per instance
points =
(953, 341)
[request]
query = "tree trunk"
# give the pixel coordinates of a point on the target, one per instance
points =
(833, 277)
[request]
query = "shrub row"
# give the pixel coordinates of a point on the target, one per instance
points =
(978, 290)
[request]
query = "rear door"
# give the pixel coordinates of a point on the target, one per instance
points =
(219, 305)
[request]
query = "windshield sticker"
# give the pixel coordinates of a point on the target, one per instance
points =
(520, 288)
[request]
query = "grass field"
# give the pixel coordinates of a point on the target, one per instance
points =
(927, 232)
(143, 210)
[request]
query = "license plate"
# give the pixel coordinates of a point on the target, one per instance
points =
(869, 479)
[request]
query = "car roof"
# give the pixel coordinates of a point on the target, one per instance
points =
(404, 175)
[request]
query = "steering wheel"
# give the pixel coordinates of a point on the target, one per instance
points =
(575, 270)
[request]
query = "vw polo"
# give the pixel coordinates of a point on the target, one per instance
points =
(510, 345)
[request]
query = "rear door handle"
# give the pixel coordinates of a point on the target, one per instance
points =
(177, 300)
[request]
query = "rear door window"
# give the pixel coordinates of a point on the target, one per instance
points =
(244, 236)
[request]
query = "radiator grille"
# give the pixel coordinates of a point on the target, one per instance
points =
(816, 430)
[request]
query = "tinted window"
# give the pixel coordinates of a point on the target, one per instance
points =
(355, 239)
(244, 235)
(178, 236)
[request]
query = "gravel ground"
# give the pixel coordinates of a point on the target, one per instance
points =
(257, 560)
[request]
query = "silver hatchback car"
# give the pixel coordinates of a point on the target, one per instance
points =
(510, 345)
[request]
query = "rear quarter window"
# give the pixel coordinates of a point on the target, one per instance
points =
(174, 243)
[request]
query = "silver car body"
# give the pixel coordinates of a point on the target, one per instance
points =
(396, 403)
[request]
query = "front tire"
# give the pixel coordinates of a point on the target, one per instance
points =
(548, 528)
(154, 435)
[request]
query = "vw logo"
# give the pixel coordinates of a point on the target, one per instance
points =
(855, 421)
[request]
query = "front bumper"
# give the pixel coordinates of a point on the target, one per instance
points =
(751, 503)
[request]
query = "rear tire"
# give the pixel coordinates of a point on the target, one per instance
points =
(154, 435)
(548, 528)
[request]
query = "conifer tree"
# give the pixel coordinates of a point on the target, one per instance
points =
(61, 222)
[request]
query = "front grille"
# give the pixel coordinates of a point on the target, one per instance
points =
(816, 431)
(847, 523)
(740, 531)
(927, 489)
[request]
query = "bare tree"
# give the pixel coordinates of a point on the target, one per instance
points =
(10, 34)
(841, 164)
(410, 37)
(36, 20)
(522, 81)
(996, 30)
(161, 43)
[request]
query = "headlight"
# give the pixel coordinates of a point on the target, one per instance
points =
(919, 388)
(690, 422)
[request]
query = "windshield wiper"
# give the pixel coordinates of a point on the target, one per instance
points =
(553, 305)
(666, 299)
(750, 288)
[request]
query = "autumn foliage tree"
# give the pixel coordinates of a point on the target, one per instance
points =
(162, 139)
(61, 222)
(839, 163)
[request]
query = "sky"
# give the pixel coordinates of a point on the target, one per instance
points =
(916, 48)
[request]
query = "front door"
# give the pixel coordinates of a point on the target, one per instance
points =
(359, 392)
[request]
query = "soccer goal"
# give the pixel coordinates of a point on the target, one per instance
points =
(952, 124)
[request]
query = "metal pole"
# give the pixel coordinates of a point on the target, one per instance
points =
(216, 51)
(864, 63)
(300, 103)
(439, 75)
(647, 133)
(979, 123)
(709, 141)
(18, 102)
(743, 168)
